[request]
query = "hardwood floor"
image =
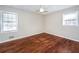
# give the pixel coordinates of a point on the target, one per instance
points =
(40, 43)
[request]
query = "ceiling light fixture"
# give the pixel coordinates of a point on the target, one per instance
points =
(41, 9)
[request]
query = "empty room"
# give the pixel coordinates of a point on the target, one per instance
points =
(39, 29)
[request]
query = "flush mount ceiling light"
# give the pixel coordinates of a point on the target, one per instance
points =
(41, 10)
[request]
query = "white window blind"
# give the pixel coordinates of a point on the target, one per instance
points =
(8, 21)
(70, 19)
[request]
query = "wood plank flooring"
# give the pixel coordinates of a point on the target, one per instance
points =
(40, 43)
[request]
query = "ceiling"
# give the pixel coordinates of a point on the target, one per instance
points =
(48, 8)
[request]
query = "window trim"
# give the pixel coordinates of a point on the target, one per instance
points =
(1, 12)
(70, 20)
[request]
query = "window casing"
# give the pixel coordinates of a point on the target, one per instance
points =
(8, 21)
(70, 19)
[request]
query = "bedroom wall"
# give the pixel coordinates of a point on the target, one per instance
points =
(54, 25)
(28, 24)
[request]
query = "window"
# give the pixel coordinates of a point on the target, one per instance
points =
(8, 21)
(70, 19)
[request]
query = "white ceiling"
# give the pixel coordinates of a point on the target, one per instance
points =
(35, 8)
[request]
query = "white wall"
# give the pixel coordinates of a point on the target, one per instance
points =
(54, 25)
(29, 24)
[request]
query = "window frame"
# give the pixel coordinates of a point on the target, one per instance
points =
(77, 22)
(1, 13)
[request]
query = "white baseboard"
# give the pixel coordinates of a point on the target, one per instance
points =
(30, 35)
(17, 38)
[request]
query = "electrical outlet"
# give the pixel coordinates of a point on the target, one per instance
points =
(11, 37)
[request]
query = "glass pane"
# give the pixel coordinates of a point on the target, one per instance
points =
(9, 22)
(70, 16)
(5, 19)
(5, 15)
(9, 15)
(14, 16)
(70, 19)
